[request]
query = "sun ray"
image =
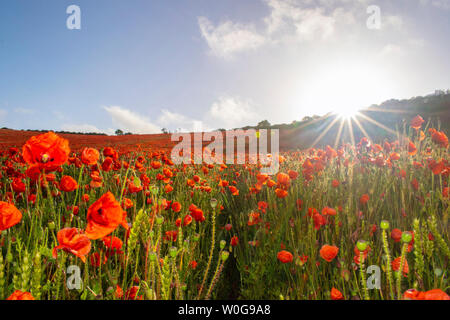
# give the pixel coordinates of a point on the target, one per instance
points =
(362, 129)
(324, 132)
(314, 121)
(350, 129)
(339, 133)
(382, 126)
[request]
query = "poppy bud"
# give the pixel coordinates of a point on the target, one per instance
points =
(213, 202)
(9, 257)
(173, 252)
(225, 255)
(406, 237)
(159, 220)
(223, 243)
(51, 225)
(196, 237)
(384, 224)
(362, 245)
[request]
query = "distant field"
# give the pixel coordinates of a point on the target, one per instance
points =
(17, 138)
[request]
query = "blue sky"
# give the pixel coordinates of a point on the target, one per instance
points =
(141, 65)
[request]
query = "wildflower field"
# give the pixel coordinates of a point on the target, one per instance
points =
(114, 222)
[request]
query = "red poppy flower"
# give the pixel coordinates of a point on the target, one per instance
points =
(19, 295)
(412, 150)
(284, 256)
(176, 206)
(416, 122)
(396, 234)
(68, 184)
(328, 211)
(281, 193)
(18, 185)
(113, 244)
(396, 265)
(89, 156)
(234, 241)
(293, 174)
(436, 294)
(131, 294)
(336, 294)
(104, 216)
(328, 253)
(440, 139)
(283, 179)
(74, 241)
(9, 215)
(364, 199)
(193, 264)
(47, 151)
(168, 188)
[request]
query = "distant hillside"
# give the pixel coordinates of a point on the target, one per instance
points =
(393, 114)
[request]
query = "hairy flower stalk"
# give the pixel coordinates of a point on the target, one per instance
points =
(363, 276)
(223, 256)
(211, 252)
(362, 246)
(385, 226)
(402, 263)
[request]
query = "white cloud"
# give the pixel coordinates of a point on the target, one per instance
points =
(288, 21)
(130, 121)
(289, 17)
(294, 21)
(231, 112)
(229, 38)
(180, 122)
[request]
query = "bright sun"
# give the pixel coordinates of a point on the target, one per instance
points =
(348, 112)
(344, 88)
